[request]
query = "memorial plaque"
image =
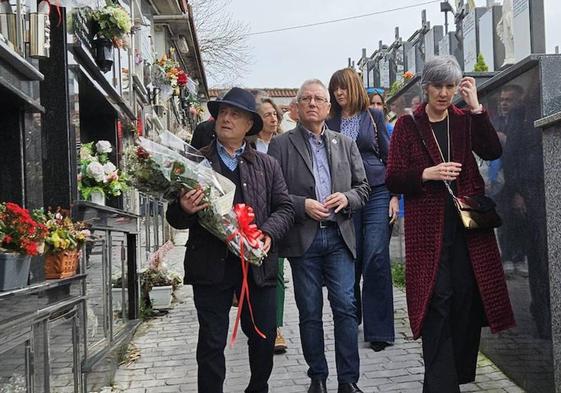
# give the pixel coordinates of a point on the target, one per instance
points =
(410, 57)
(384, 66)
(486, 39)
(432, 39)
(469, 27)
(371, 76)
(395, 58)
(444, 45)
(448, 45)
(521, 29)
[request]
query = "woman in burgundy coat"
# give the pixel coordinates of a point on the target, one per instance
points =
(455, 281)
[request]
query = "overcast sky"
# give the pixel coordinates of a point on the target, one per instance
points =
(286, 59)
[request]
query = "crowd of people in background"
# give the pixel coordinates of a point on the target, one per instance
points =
(325, 180)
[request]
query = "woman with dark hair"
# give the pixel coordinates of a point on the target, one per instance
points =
(454, 277)
(351, 116)
(377, 101)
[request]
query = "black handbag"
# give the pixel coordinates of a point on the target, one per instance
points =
(477, 211)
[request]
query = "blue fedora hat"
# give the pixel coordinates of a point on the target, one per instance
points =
(242, 99)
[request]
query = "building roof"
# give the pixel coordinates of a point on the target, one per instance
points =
(270, 92)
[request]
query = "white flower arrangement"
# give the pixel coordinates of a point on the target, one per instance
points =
(97, 173)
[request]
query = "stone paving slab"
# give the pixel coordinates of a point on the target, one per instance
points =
(167, 364)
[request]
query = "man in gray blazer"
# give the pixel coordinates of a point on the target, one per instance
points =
(326, 182)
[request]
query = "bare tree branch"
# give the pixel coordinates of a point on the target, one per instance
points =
(222, 41)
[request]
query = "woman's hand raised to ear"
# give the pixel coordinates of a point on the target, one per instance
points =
(468, 90)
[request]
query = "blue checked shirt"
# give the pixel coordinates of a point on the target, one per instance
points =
(320, 164)
(227, 159)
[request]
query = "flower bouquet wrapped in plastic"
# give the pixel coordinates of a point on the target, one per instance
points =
(160, 170)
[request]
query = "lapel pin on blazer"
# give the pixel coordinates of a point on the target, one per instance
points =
(334, 141)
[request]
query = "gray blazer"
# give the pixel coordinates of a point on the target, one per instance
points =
(347, 176)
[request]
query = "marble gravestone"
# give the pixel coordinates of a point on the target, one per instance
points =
(521, 29)
(449, 45)
(410, 50)
(432, 39)
(414, 61)
(470, 28)
(396, 59)
(490, 46)
(384, 67)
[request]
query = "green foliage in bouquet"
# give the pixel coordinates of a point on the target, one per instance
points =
(97, 173)
(145, 174)
(114, 22)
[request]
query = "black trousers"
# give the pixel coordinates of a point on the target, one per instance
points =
(452, 327)
(213, 304)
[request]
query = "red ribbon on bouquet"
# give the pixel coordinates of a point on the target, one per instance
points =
(248, 231)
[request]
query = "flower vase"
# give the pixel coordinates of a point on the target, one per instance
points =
(103, 53)
(160, 297)
(97, 197)
(61, 264)
(14, 271)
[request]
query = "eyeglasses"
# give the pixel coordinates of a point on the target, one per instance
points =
(308, 100)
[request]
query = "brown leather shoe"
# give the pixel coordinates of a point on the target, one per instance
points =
(280, 343)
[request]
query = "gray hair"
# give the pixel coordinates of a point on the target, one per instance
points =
(267, 100)
(441, 70)
(310, 82)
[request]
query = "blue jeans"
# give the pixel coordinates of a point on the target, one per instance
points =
(327, 261)
(373, 263)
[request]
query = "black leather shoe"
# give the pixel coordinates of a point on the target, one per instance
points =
(378, 346)
(317, 386)
(348, 388)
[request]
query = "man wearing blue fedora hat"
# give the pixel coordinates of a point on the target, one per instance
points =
(215, 272)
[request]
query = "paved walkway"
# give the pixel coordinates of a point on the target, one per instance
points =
(167, 355)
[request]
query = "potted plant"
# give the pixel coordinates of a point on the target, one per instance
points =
(158, 286)
(156, 281)
(98, 176)
(63, 242)
(21, 237)
(113, 23)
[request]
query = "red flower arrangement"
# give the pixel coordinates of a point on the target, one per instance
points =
(20, 232)
(182, 78)
(408, 75)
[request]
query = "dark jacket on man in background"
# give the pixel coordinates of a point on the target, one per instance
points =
(264, 189)
(203, 134)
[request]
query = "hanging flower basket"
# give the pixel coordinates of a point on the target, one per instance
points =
(14, 271)
(61, 264)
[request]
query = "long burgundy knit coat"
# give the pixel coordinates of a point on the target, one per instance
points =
(425, 203)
